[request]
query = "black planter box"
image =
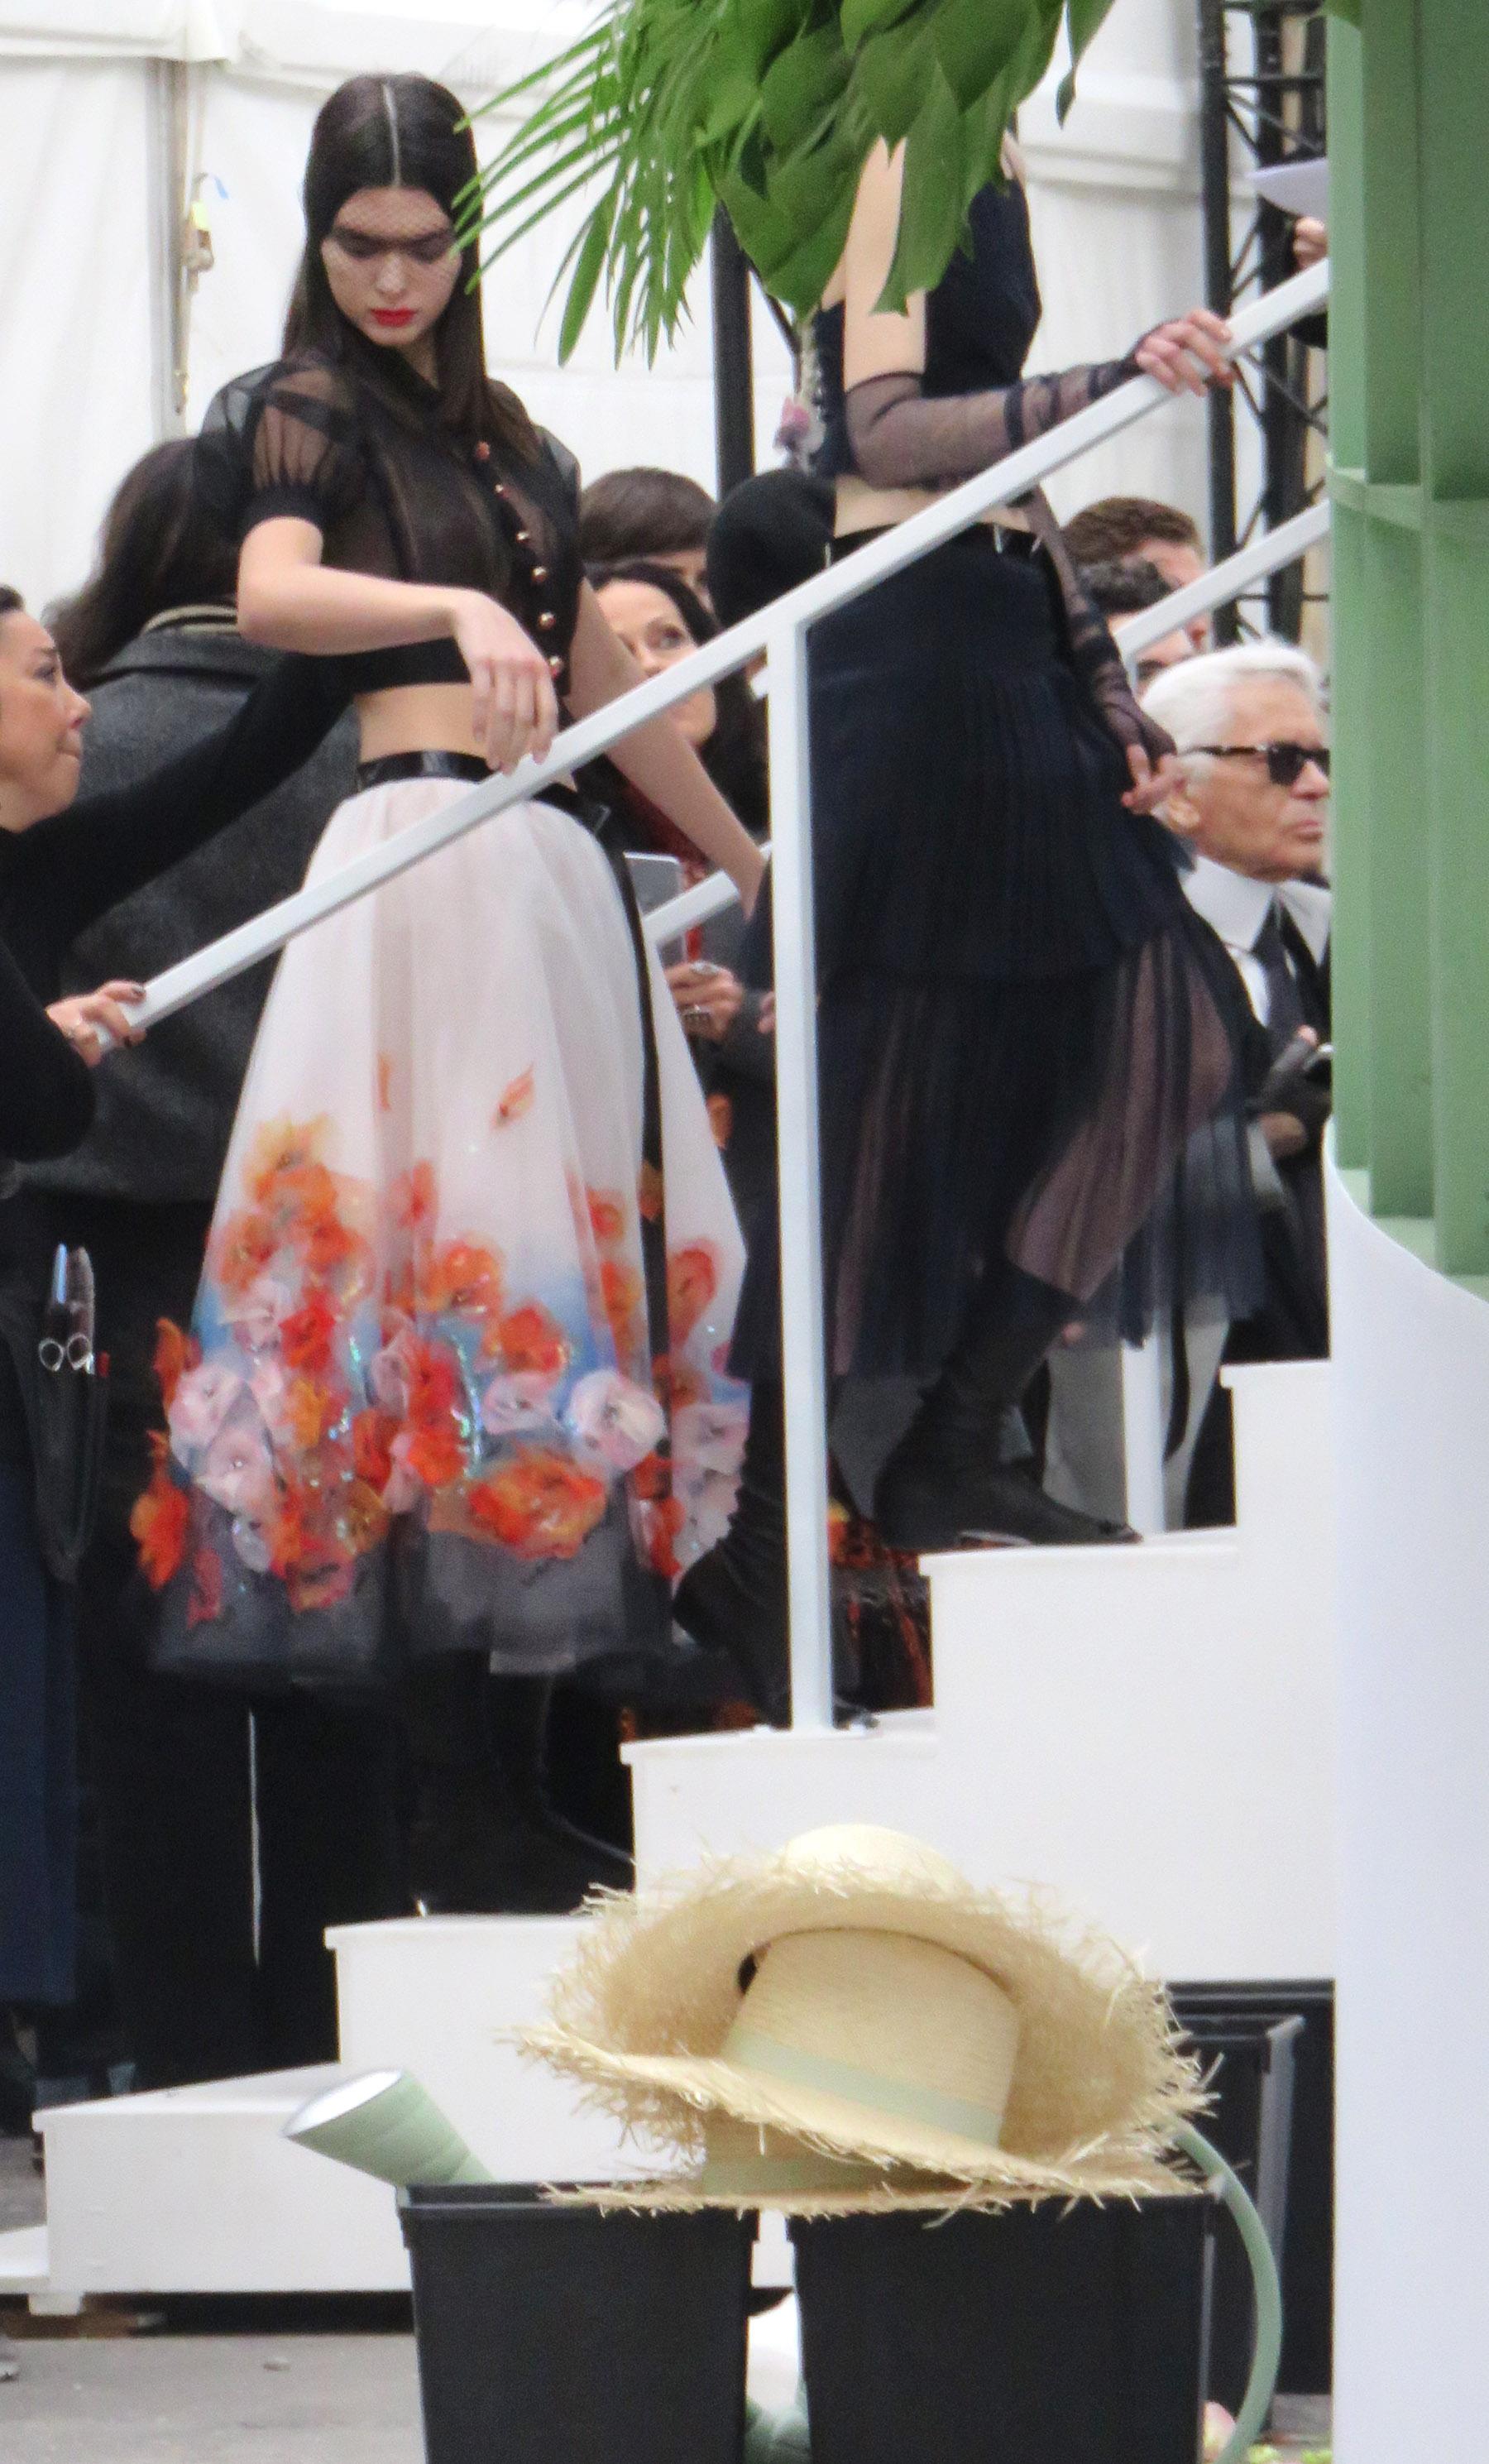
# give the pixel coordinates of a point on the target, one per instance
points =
(1038, 2336)
(564, 2335)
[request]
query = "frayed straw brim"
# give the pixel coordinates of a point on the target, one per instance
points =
(639, 2021)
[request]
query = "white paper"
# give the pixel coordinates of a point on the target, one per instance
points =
(1298, 188)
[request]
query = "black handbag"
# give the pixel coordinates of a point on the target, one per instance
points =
(65, 1392)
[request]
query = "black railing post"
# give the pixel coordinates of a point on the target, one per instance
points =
(734, 369)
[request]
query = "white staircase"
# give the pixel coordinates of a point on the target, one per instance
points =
(1147, 1730)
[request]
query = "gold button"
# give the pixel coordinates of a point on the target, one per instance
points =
(540, 573)
(482, 452)
(556, 665)
(547, 621)
(524, 538)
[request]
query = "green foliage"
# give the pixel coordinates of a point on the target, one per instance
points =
(769, 108)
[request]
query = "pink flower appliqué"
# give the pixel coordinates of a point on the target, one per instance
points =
(201, 1403)
(615, 1422)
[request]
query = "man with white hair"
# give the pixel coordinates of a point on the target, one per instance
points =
(1249, 727)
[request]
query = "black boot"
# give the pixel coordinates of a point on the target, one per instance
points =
(734, 1598)
(521, 1709)
(946, 1484)
(484, 1839)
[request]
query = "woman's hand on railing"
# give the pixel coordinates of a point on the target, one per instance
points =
(1154, 783)
(95, 1023)
(515, 707)
(1188, 355)
(708, 999)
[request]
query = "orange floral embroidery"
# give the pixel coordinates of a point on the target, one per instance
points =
(434, 1383)
(372, 1444)
(661, 1520)
(653, 1475)
(364, 1517)
(414, 1198)
(326, 1241)
(282, 1148)
(436, 1456)
(692, 1282)
(529, 1342)
(175, 1353)
(312, 1411)
(677, 1382)
(243, 1250)
(306, 1334)
(516, 1100)
(398, 1289)
(538, 1505)
(606, 1216)
(320, 1587)
(721, 1119)
(460, 1276)
(159, 1525)
(649, 1193)
(206, 1601)
(621, 1291)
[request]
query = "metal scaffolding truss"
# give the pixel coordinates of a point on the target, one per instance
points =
(1262, 103)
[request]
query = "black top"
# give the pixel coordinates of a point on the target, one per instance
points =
(980, 320)
(359, 447)
(56, 877)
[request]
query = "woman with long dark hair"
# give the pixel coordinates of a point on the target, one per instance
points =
(1021, 1026)
(453, 1383)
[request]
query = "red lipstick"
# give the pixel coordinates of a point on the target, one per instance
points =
(392, 315)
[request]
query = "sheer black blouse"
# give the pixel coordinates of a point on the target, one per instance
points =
(359, 447)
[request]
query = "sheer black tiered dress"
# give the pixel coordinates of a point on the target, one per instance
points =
(1024, 1031)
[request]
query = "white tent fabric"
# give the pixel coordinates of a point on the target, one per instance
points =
(86, 90)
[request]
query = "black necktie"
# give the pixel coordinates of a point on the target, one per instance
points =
(1285, 1012)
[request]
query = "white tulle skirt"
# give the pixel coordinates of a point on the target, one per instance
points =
(445, 1388)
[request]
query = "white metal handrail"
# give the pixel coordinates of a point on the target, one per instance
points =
(780, 630)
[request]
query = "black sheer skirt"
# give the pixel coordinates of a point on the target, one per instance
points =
(1029, 1044)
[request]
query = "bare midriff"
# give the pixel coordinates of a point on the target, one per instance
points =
(417, 719)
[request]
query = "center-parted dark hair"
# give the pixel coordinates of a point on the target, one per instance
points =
(157, 550)
(400, 132)
(735, 754)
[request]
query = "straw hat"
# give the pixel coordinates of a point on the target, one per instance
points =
(852, 1999)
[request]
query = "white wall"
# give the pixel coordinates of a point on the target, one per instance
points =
(1412, 1372)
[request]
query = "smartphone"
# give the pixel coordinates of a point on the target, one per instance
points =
(655, 879)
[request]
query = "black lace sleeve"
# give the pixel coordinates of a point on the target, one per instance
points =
(282, 440)
(1093, 653)
(903, 437)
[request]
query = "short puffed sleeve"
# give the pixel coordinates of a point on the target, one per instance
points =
(281, 440)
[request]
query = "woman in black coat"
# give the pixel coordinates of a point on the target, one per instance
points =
(213, 1976)
(62, 863)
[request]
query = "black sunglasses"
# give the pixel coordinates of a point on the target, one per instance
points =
(1285, 763)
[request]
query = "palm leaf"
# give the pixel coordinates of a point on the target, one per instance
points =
(769, 108)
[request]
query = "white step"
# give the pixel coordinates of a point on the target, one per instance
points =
(1147, 1730)
(193, 2190)
(439, 1996)
(25, 2265)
